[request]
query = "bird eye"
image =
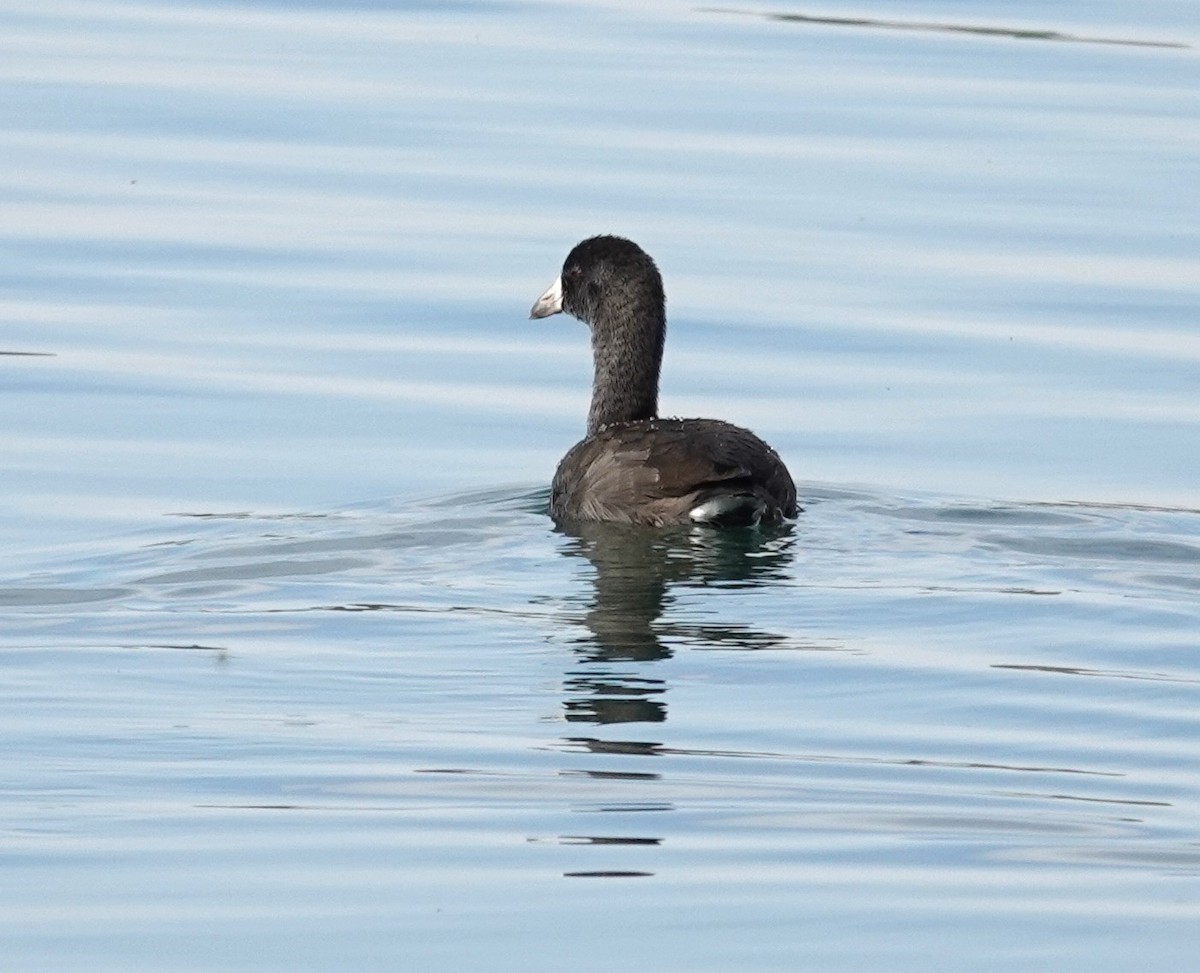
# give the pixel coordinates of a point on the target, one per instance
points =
(573, 272)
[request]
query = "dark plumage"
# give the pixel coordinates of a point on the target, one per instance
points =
(634, 467)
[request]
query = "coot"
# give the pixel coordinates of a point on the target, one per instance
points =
(633, 467)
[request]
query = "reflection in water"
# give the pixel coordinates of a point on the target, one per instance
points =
(635, 569)
(614, 698)
(608, 874)
(637, 748)
(581, 839)
(1013, 33)
(1102, 673)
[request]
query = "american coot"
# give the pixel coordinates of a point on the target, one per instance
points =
(633, 467)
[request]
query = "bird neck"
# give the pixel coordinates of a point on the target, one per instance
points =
(627, 357)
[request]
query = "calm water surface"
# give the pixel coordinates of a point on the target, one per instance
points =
(297, 674)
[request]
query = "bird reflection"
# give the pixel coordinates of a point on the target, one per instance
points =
(628, 618)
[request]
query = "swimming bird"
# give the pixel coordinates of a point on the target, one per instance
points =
(632, 466)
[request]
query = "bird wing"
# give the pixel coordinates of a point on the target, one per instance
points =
(657, 470)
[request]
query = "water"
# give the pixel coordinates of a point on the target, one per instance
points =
(297, 674)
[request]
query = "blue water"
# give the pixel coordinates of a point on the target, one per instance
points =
(298, 675)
